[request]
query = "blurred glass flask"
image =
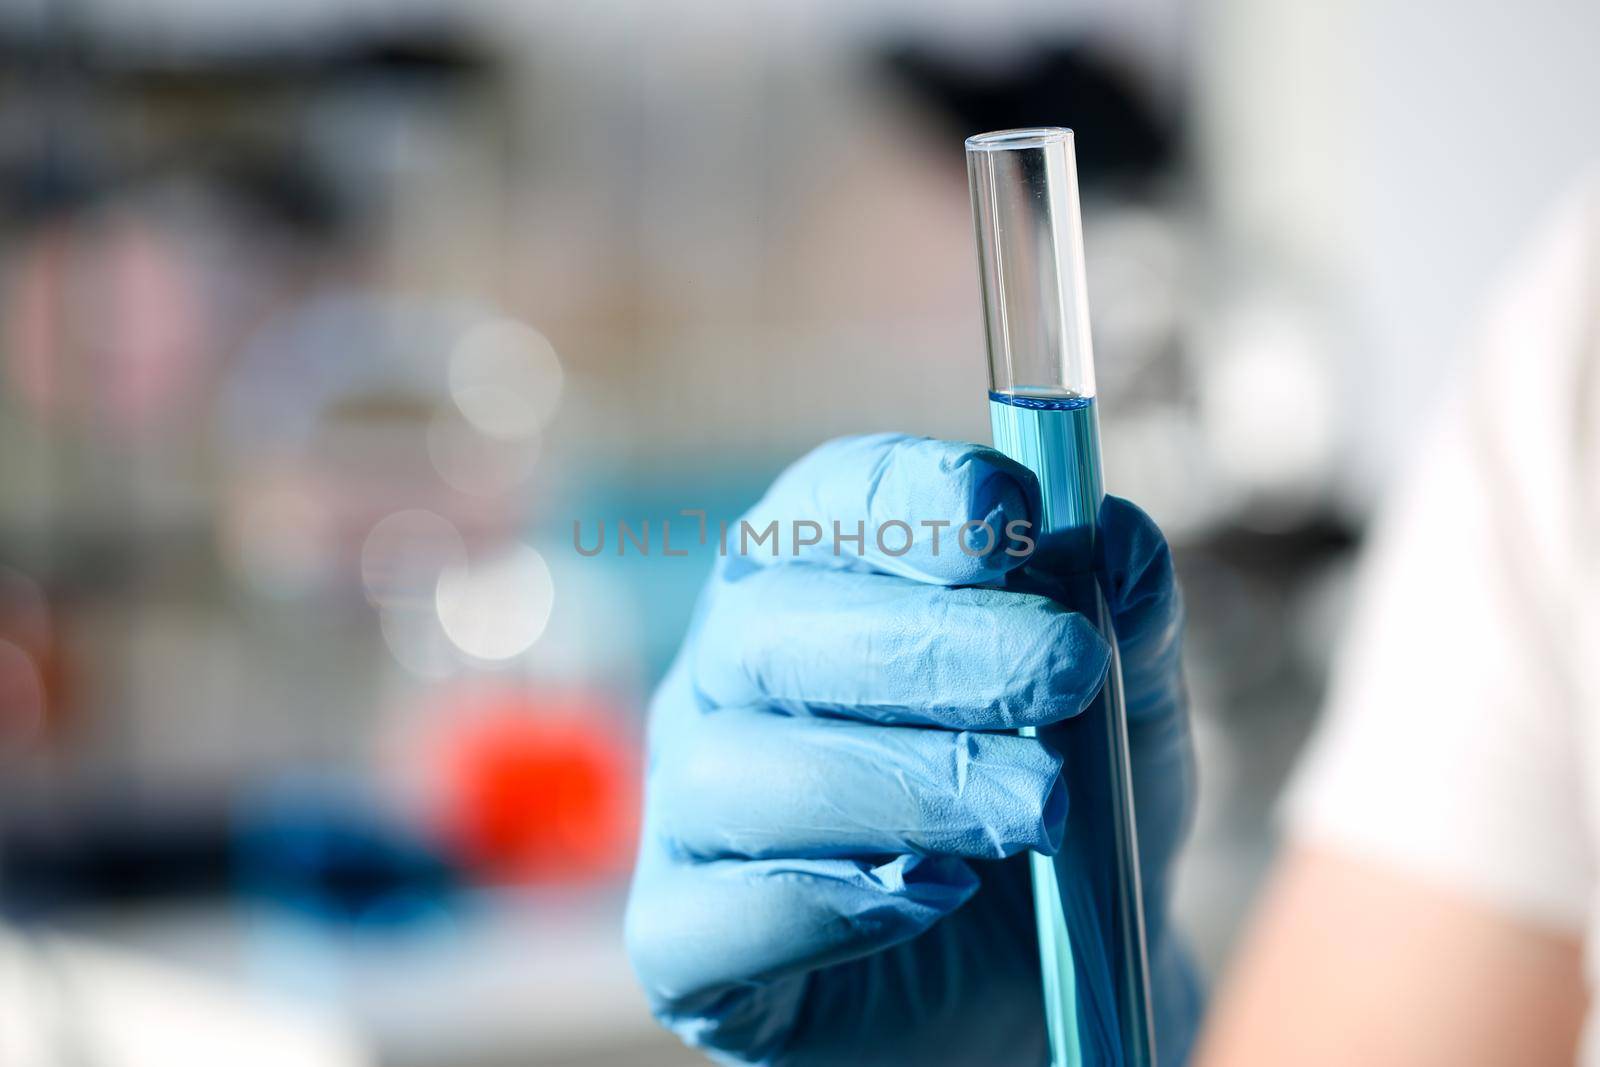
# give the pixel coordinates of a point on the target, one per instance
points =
(1043, 414)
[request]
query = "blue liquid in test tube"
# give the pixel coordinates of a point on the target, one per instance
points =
(1043, 414)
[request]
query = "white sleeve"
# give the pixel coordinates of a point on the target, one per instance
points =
(1454, 744)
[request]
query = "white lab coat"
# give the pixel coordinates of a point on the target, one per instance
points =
(1462, 739)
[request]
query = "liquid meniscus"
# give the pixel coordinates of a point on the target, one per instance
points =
(1057, 436)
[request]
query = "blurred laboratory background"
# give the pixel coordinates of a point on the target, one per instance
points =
(321, 324)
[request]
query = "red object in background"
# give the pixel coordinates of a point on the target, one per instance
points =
(537, 787)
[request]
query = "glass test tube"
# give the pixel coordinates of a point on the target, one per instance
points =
(1042, 409)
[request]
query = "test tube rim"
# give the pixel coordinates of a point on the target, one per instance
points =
(1021, 138)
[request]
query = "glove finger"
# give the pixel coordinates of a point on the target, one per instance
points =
(694, 929)
(750, 784)
(881, 649)
(902, 488)
(1146, 604)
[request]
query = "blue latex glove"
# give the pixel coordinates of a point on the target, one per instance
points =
(831, 868)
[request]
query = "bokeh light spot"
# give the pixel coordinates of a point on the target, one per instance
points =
(496, 609)
(475, 462)
(403, 556)
(505, 378)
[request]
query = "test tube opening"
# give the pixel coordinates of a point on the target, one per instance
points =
(1026, 137)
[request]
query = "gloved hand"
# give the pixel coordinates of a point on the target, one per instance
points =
(831, 867)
